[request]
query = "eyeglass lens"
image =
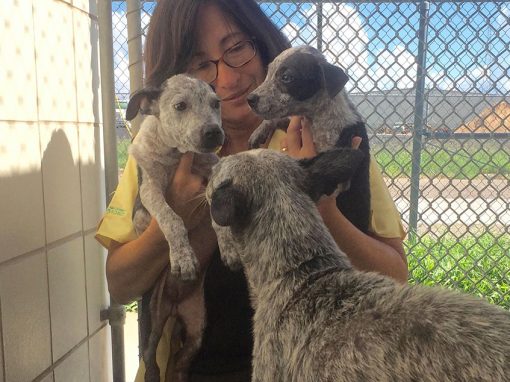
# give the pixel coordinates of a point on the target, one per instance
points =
(235, 57)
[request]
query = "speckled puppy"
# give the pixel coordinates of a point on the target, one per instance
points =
(184, 116)
(316, 318)
(301, 82)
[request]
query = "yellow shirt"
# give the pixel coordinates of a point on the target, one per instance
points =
(117, 225)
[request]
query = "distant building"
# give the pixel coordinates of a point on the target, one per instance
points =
(446, 110)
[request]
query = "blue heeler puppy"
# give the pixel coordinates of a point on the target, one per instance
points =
(183, 115)
(316, 318)
(301, 82)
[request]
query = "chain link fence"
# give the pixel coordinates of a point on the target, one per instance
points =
(432, 80)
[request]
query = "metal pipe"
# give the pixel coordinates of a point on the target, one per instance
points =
(134, 29)
(419, 119)
(115, 313)
(319, 26)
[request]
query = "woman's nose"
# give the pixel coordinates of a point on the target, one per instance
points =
(227, 76)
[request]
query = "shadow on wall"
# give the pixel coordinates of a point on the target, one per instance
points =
(52, 284)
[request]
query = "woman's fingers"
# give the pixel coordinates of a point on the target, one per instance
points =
(308, 147)
(185, 193)
(183, 169)
(299, 140)
(294, 136)
(355, 142)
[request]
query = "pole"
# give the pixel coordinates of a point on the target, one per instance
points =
(134, 29)
(115, 312)
(419, 118)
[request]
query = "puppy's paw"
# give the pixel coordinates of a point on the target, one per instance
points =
(184, 264)
(232, 262)
(261, 134)
(257, 139)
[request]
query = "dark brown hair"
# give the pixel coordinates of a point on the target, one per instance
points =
(172, 36)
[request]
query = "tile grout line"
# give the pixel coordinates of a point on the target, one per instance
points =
(47, 247)
(42, 183)
(58, 362)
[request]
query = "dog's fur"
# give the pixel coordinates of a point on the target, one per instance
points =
(316, 318)
(184, 115)
(301, 82)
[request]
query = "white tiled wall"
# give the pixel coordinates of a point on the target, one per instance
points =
(52, 285)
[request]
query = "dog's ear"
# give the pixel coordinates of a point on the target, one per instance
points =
(228, 205)
(334, 78)
(328, 170)
(145, 101)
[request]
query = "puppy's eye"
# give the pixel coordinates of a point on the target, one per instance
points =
(180, 106)
(215, 104)
(287, 78)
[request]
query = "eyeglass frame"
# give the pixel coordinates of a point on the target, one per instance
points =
(216, 62)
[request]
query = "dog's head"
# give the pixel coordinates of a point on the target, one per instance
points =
(188, 109)
(248, 185)
(295, 79)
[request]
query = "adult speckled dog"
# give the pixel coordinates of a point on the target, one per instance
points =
(301, 82)
(184, 115)
(316, 318)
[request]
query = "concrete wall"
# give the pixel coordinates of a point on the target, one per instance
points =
(52, 283)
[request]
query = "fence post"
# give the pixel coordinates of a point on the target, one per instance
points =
(114, 313)
(134, 30)
(419, 118)
(319, 25)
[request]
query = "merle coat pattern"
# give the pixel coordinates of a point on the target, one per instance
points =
(183, 115)
(316, 318)
(301, 82)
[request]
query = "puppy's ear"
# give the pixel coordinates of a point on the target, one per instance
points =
(228, 205)
(145, 101)
(334, 78)
(328, 170)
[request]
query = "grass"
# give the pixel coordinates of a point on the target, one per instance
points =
(122, 152)
(475, 265)
(435, 162)
(461, 163)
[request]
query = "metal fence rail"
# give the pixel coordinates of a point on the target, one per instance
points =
(432, 80)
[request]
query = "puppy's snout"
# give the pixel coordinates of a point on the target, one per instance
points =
(212, 136)
(253, 100)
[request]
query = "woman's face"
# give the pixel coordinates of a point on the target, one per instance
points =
(216, 35)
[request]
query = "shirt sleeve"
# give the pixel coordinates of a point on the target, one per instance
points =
(385, 219)
(117, 224)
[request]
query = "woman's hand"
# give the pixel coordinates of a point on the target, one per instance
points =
(299, 140)
(186, 194)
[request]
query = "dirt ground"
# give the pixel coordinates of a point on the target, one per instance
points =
(453, 188)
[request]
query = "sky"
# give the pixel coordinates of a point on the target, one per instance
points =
(376, 43)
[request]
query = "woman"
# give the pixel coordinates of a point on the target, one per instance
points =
(229, 44)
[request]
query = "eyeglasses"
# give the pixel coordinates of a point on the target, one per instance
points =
(236, 56)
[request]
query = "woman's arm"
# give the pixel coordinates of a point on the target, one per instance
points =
(133, 267)
(366, 252)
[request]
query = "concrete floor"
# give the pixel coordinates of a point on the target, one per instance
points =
(131, 345)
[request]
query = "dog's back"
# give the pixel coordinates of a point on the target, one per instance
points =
(353, 326)
(316, 318)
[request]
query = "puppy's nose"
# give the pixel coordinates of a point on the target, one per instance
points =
(213, 136)
(253, 100)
